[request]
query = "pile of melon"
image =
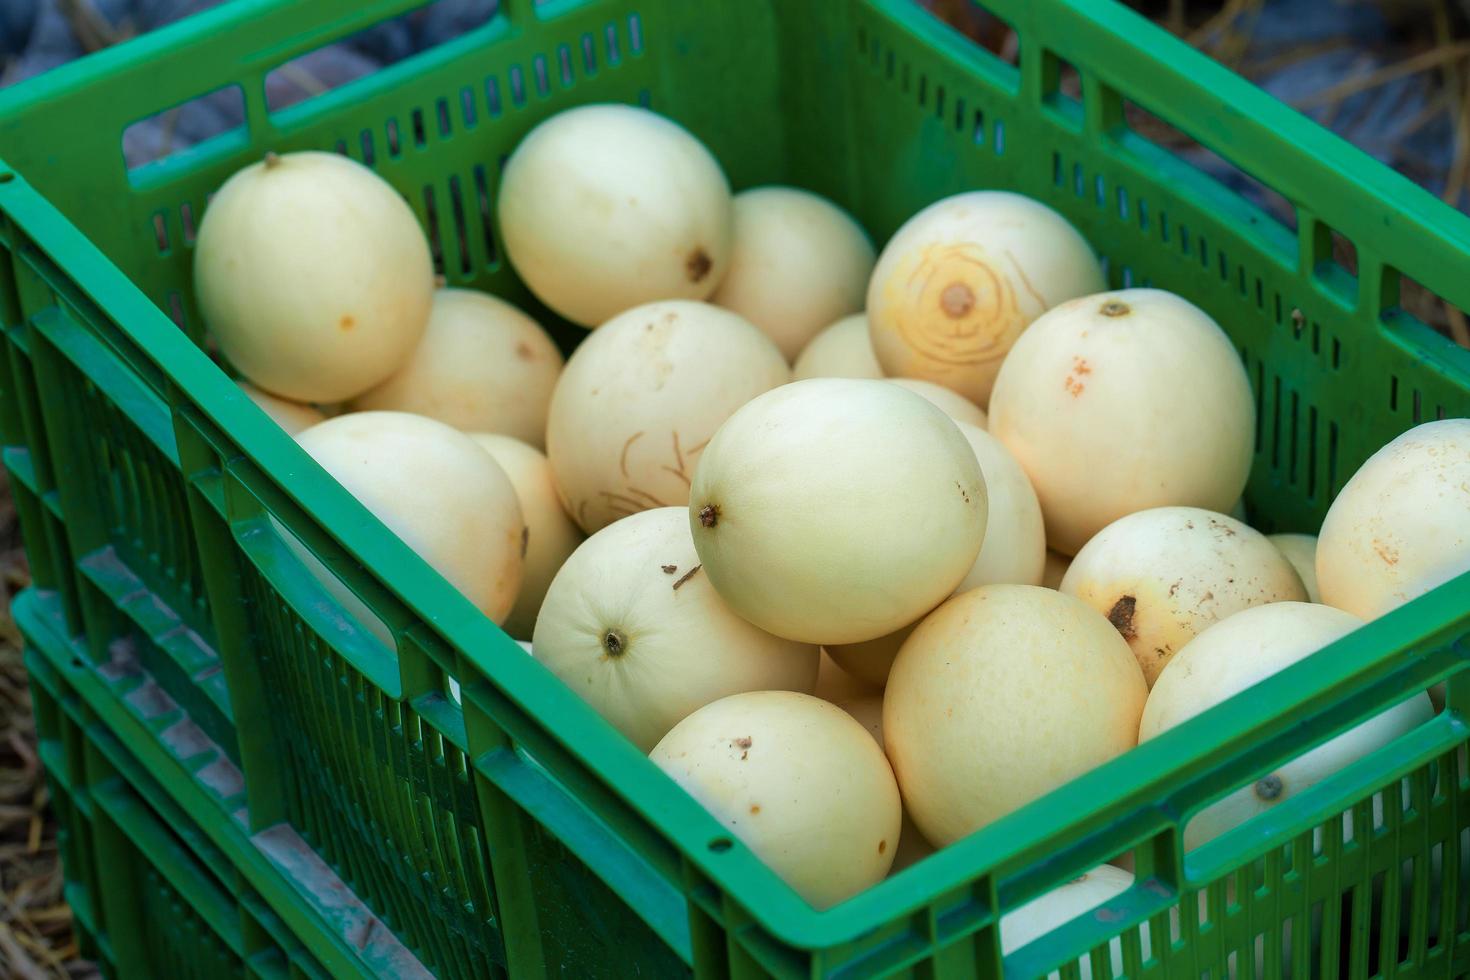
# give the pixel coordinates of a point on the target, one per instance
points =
(866, 548)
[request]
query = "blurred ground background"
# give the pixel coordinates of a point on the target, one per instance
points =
(1392, 76)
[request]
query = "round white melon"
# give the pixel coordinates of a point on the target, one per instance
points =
(551, 535)
(798, 781)
(1301, 551)
(799, 262)
(608, 207)
(632, 624)
(842, 350)
(1014, 551)
(951, 403)
(1121, 402)
(483, 366)
(1002, 694)
(1401, 525)
(313, 275)
(960, 281)
(640, 399)
(1162, 575)
(836, 510)
(294, 417)
(1242, 651)
(437, 490)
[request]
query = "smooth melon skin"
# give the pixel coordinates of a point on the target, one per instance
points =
(482, 366)
(436, 489)
(1301, 551)
(1240, 652)
(836, 510)
(1014, 551)
(798, 781)
(1001, 695)
(551, 535)
(294, 417)
(960, 281)
(867, 709)
(1161, 576)
(1120, 402)
(798, 263)
(951, 403)
(640, 399)
(632, 625)
(313, 275)
(607, 207)
(842, 350)
(1401, 525)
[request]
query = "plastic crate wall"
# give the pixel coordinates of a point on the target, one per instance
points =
(456, 826)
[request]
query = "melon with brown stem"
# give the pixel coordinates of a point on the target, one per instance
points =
(632, 624)
(960, 281)
(313, 275)
(607, 207)
(836, 510)
(1120, 402)
(1162, 575)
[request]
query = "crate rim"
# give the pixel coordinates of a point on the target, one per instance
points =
(1325, 159)
(1352, 661)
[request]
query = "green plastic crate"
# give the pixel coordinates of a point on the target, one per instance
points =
(150, 896)
(115, 746)
(520, 833)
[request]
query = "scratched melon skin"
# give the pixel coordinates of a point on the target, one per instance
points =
(640, 398)
(798, 781)
(1123, 401)
(957, 284)
(1163, 575)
